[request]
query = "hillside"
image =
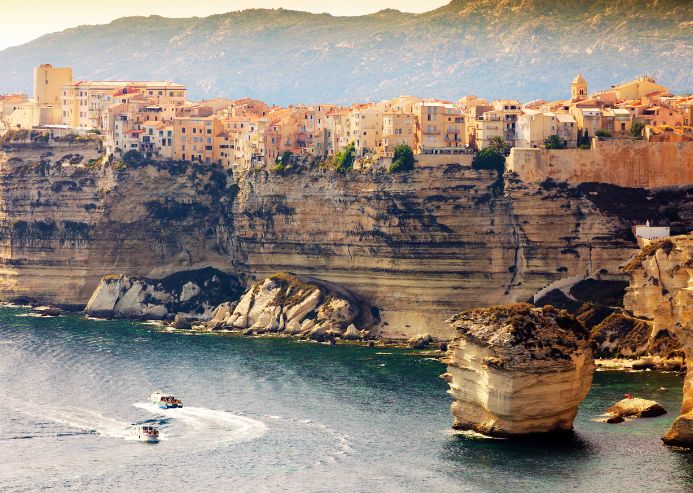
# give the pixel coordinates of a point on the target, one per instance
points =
(513, 48)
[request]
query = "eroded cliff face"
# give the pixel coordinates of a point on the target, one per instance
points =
(419, 246)
(66, 222)
(423, 245)
(661, 290)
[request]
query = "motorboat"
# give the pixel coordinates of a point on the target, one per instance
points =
(145, 433)
(165, 401)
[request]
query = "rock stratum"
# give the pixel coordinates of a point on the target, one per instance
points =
(661, 290)
(517, 370)
(419, 246)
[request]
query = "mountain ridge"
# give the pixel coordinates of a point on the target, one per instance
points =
(524, 49)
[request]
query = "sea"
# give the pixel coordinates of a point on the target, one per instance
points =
(276, 414)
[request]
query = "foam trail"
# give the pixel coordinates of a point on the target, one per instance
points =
(78, 418)
(226, 426)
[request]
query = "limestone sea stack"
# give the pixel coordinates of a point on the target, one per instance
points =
(661, 289)
(517, 370)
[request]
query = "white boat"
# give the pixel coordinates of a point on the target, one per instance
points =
(145, 433)
(165, 401)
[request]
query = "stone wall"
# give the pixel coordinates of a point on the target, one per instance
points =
(626, 163)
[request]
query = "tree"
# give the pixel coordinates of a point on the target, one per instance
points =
(345, 159)
(489, 158)
(500, 145)
(603, 134)
(555, 142)
(403, 159)
(579, 137)
(286, 158)
(586, 138)
(637, 129)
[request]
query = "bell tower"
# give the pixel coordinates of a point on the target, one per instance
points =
(578, 88)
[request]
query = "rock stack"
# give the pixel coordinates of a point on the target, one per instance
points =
(661, 289)
(517, 369)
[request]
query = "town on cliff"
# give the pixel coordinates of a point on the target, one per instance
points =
(154, 120)
(512, 370)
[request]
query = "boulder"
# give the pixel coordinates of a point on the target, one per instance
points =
(296, 305)
(636, 408)
(420, 341)
(351, 333)
(516, 370)
(194, 294)
(179, 322)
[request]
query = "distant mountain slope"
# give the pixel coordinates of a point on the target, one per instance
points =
(524, 49)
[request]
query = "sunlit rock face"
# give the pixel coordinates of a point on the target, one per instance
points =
(300, 306)
(661, 289)
(517, 370)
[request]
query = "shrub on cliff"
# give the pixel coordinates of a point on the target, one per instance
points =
(344, 160)
(637, 129)
(603, 134)
(132, 158)
(489, 158)
(555, 142)
(403, 159)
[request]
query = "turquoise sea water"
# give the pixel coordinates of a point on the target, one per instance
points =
(280, 415)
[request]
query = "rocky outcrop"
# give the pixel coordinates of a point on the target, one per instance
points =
(188, 294)
(636, 408)
(517, 369)
(297, 305)
(661, 290)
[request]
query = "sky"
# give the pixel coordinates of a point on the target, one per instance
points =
(24, 20)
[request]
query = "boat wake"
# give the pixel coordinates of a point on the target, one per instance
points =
(85, 420)
(214, 425)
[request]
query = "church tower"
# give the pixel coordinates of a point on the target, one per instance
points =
(578, 88)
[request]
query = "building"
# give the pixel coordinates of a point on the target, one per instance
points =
(644, 233)
(440, 127)
(398, 129)
(84, 103)
(48, 83)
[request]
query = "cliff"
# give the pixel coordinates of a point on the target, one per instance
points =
(419, 246)
(661, 290)
(517, 369)
(66, 221)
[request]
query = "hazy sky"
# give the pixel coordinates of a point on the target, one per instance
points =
(24, 20)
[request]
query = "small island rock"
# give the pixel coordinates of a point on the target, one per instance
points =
(636, 408)
(518, 369)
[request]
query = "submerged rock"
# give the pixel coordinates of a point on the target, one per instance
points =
(636, 408)
(420, 341)
(296, 305)
(517, 369)
(193, 294)
(48, 311)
